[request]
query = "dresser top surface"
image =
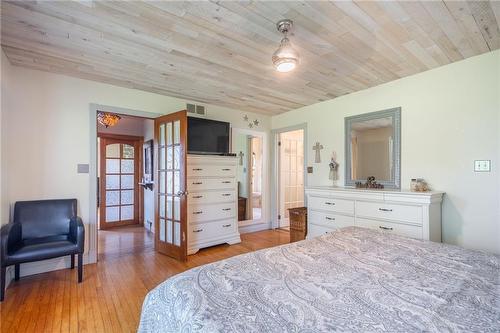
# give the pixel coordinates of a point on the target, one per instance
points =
(362, 190)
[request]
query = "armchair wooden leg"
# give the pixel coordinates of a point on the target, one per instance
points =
(17, 271)
(80, 267)
(2, 283)
(72, 261)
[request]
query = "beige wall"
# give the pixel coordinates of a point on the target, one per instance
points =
(6, 78)
(48, 131)
(450, 117)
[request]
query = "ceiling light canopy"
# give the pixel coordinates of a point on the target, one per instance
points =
(108, 119)
(285, 58)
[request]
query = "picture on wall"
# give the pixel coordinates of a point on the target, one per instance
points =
(148, 161)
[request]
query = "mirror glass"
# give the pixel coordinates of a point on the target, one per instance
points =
(249, 150)
(373, 148)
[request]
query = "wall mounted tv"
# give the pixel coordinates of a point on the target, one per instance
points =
(207, 136)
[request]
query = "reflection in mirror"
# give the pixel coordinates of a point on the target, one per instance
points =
(248, 149)
(373, 144)
(371, 152)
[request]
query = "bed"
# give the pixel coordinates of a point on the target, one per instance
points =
(351, 280)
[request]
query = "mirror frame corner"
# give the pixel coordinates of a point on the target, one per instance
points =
(395, 114)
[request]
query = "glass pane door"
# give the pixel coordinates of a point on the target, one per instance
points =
(119, 175)
(171, 205)
(291, 177)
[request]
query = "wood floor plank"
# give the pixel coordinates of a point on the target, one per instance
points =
(110, 297)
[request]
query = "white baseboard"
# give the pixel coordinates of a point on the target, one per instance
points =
(44, 266)
(254, 227)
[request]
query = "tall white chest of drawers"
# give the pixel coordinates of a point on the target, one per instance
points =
(411, 214)
(212, 201)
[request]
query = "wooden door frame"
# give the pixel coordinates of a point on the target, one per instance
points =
(138, 194)
(177, 252)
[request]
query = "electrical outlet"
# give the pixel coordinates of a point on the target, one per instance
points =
(482, 166)
(309, 169)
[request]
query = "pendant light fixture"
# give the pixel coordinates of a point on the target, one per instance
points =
(285, 59)
(108, 119)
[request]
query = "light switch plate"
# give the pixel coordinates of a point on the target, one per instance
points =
(309, 169)
(482, 166)
(82, 168)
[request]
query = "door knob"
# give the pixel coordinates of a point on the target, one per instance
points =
(182, 193)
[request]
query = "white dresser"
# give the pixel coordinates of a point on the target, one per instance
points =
(212, 201)
(411, 214)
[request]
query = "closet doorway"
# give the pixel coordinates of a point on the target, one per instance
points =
(290, 174)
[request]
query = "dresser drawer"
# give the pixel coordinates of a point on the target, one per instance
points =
(207, 231)
(395, 212)
(211, 170)
(330, 220)
(201, 212)
(317, 230)
(412, 231)
(211, 197)
(195, 185)
(331, 204)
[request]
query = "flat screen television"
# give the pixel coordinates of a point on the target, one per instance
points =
(207, 136)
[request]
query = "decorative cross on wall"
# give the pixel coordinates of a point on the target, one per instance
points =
(317, 147)
(240, 155)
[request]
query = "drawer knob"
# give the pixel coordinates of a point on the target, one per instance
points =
(197, 183)
(226, 194)
(226, 225)
(384, 228)
(197, 196)
(198, 230)
(385, 210)
(226, 182)
(198, 212)
(226, 209)
(330, 203)
(197, 169)
(330, 218)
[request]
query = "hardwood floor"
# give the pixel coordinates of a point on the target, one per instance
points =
(110, 297)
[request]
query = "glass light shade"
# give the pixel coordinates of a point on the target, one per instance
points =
(285, 58)
(108, 119)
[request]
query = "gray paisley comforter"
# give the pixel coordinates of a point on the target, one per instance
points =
(351, 280)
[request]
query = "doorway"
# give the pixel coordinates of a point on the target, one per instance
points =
(290, 174)
(250, 149)
(124, 207)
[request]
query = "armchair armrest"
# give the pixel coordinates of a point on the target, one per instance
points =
(77, 232)
(10, 235)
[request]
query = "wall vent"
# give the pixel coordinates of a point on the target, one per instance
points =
(200, 109)
(196, 109)
(191, 108)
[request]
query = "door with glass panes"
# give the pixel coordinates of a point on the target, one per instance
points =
(119, 178)
(170, 187)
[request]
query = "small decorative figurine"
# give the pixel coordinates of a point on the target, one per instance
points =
(317, 147)
(370, 183)
(333, 167)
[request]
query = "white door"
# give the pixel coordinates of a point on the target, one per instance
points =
(290, 174)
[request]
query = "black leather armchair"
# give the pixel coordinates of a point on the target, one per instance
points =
(41, 230)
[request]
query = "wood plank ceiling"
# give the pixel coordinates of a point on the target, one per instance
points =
(220, 52)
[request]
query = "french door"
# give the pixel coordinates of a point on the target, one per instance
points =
(170, 189)
(291, 174)
(119, 177)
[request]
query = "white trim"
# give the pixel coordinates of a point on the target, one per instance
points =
(44, 266)
(274, 158)
(92, 230)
